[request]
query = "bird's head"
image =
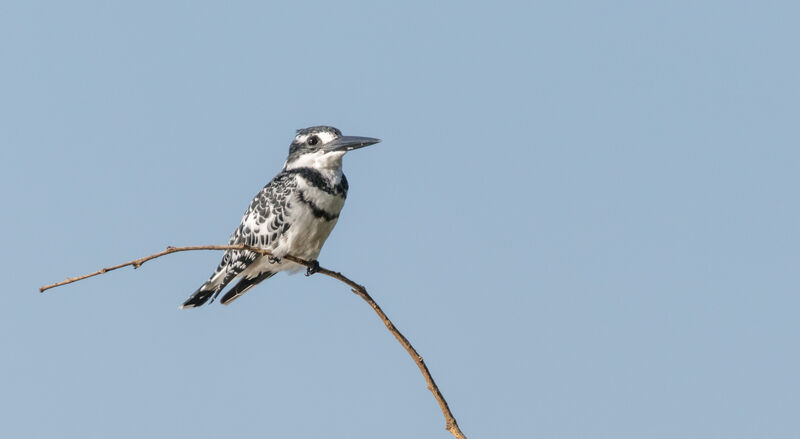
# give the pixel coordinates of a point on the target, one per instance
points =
(322, 147)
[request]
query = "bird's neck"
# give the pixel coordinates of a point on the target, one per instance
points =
(324, 162)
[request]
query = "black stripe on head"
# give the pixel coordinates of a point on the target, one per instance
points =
(298, 147)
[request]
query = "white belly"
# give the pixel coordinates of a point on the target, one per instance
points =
(306, 237)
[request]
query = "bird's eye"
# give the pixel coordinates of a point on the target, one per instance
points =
(313, 140)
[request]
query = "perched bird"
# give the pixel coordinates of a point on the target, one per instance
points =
(292, 215)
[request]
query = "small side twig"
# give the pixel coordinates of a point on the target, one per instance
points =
(450, 421)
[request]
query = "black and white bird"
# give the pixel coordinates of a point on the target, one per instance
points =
(292, 215)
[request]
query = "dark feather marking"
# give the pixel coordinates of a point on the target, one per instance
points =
(244, 285)
(316, 179)
(316, 210)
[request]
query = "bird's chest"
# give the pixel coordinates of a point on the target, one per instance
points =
(315, 211)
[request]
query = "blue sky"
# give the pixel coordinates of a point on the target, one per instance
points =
(583, 215)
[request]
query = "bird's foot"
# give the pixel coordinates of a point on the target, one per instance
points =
(274, 259)
(313, 268)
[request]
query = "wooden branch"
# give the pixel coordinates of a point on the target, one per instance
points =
(450, 421)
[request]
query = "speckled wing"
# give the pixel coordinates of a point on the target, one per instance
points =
(262, 224)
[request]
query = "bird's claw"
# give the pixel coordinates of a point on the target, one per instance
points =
(274, 259)
(313, 268)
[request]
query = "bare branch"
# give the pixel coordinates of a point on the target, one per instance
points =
(450, 421)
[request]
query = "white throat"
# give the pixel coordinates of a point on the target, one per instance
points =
(331, 160)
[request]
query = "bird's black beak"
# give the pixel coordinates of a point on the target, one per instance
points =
(349, 143)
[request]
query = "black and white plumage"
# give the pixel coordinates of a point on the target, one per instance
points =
(292, 215)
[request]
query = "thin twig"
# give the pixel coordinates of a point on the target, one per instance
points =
(450, 421)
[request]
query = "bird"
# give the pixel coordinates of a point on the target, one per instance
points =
(292, 215)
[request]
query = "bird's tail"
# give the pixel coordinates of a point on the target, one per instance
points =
(208, 290)
(244, 286)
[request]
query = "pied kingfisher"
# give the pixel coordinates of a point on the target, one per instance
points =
(292, 215)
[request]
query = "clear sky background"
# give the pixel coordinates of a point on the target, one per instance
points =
(584, 216)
